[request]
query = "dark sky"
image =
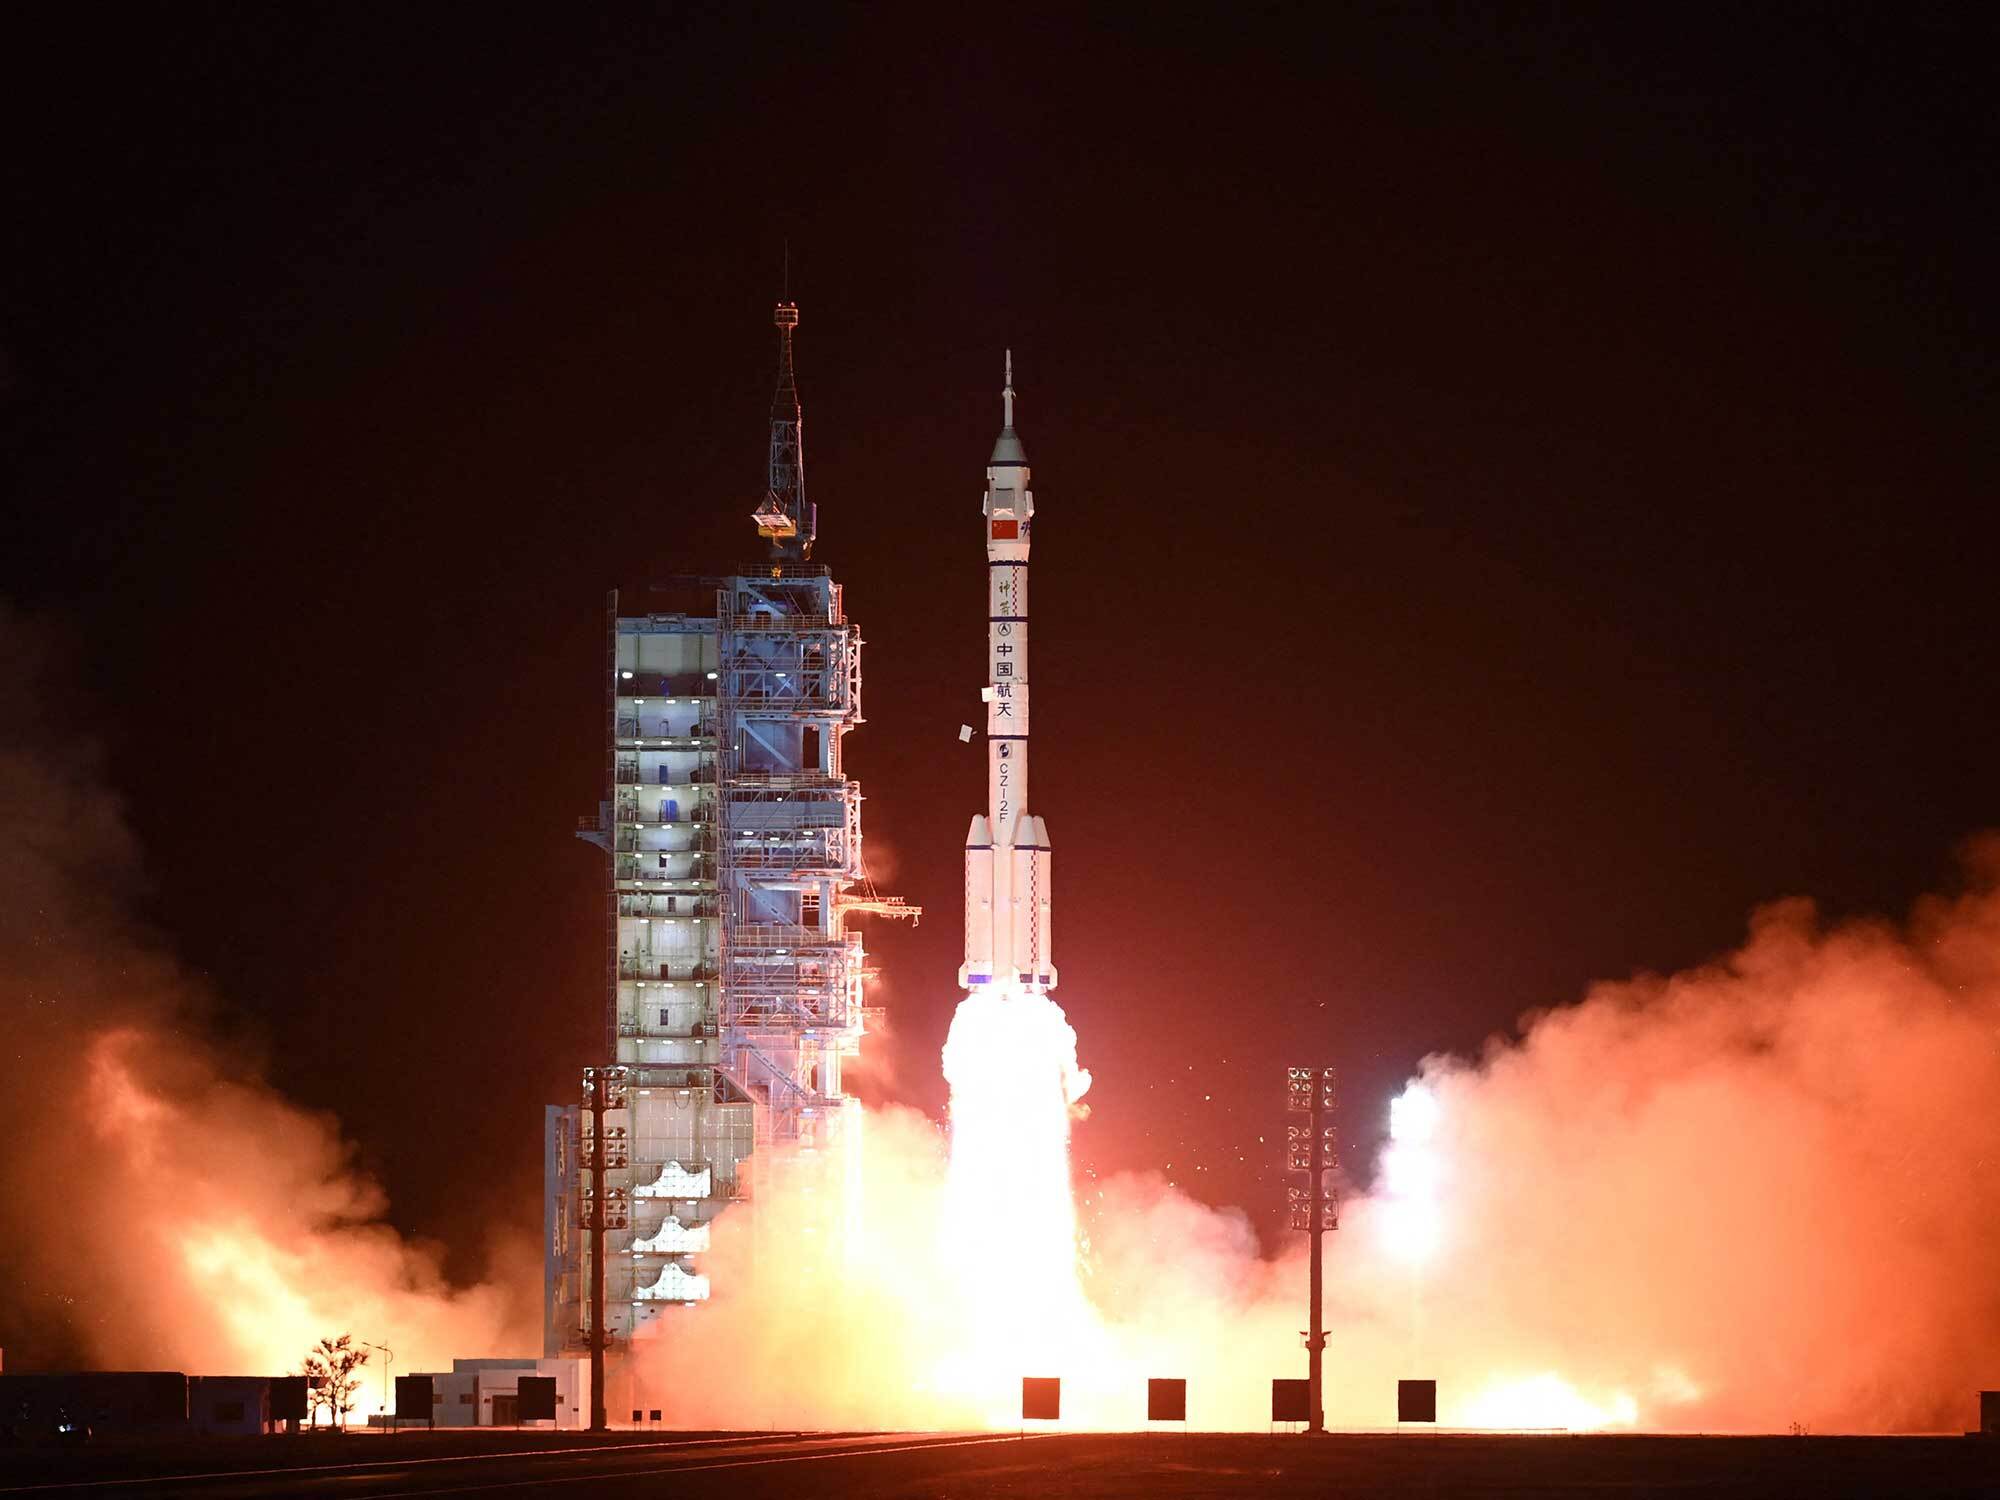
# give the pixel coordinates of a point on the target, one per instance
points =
(1512, 495)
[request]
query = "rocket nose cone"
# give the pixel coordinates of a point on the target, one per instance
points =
(1042, 832)
(1007, 451)
(979, 832)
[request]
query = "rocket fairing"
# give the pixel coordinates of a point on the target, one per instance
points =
(1007, 886)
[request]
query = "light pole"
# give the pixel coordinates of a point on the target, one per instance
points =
(1313, 1148)
(603, 1208)
(388, 1359)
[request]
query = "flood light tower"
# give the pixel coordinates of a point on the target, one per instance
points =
(1313, 1147)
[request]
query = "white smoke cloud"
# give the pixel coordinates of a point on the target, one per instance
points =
(160, 1206)
(1756, 1194)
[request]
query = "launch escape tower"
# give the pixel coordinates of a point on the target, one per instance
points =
(734, 989)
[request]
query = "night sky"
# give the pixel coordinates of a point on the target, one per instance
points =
(1512, 496)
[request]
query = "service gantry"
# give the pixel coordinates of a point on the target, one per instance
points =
(735, 989)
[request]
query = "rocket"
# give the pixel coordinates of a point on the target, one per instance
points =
(1007, 891)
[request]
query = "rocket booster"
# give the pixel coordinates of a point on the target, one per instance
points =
(1007, 890)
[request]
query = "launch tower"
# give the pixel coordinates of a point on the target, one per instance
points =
(734, 989)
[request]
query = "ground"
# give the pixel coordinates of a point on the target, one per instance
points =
(890, 1466)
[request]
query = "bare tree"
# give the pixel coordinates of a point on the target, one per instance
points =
(332, 1376)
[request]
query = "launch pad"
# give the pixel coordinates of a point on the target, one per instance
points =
(1150, 1466)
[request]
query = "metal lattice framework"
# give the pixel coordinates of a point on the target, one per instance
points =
(734, 861)
(790, 846)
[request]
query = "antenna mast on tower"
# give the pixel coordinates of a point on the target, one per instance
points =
(786, 517)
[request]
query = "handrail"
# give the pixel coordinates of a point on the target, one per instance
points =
(765, 935)
(788, 780)
(763, 622)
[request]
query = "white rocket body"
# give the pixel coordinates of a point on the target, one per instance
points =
(1007, 883)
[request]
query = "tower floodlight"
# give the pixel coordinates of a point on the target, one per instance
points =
(1314, 1149)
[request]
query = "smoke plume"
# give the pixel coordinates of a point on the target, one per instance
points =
(160, 1206)
(1755, 1195)
(1759, 1193)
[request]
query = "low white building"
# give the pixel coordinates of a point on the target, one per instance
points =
(486, 1392)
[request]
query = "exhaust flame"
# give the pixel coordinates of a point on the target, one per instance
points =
(1543, 1402)
(1009, 1216)
(1411, 1176)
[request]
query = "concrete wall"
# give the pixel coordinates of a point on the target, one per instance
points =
(238, 1404)
(109, 1401)
(455, 1399)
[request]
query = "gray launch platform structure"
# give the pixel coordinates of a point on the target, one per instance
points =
(734, 988)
